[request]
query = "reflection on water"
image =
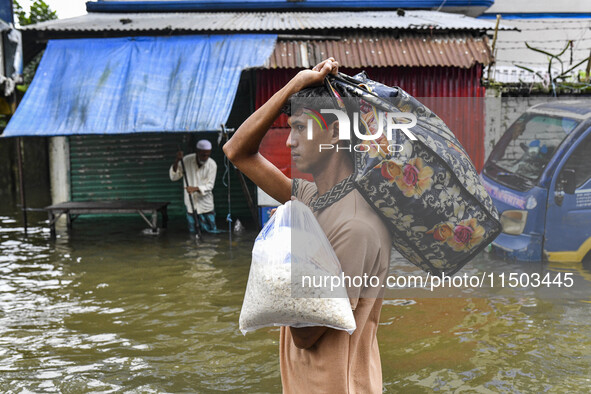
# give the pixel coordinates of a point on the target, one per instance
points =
(109, 308)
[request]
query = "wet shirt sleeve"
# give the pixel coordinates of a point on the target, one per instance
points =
(175, 175)
(208, 181)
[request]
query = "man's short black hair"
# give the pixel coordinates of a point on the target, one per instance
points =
(315, 98)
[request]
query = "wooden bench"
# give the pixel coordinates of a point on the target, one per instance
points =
(74, 208)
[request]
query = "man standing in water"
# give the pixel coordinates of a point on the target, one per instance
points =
(321, 359)
(201, 172)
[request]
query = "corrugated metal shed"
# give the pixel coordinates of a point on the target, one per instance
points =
(384, 50)
(125, 167)
(135, 166)
(265, 21)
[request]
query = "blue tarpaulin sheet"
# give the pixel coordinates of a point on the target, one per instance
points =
(137, 84)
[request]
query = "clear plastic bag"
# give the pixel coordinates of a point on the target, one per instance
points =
(289, 283)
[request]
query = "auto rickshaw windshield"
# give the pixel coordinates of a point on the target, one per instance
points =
(528, 145)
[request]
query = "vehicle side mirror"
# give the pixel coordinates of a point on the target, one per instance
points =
(568, 181)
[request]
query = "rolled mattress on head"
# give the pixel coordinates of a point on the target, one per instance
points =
(426, 190)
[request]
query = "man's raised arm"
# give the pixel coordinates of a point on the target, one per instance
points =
(243, 148)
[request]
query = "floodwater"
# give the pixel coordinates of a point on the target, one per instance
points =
(108, 307)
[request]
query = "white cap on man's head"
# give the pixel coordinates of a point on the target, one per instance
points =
(204, 145)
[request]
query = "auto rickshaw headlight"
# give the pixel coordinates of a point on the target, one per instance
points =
(513, 221)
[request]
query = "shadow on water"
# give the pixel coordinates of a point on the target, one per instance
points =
(111, 308)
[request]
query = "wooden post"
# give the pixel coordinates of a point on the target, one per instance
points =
(253, 210)
(588, 70)
(21, 182)
(494, 43)
(229, 217)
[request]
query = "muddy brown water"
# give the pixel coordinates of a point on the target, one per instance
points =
(108, 307)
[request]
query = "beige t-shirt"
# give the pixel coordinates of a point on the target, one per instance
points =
(339, 362)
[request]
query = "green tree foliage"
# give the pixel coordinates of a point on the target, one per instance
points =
(39, 12)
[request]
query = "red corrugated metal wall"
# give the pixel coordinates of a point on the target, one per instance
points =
(462, 109)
